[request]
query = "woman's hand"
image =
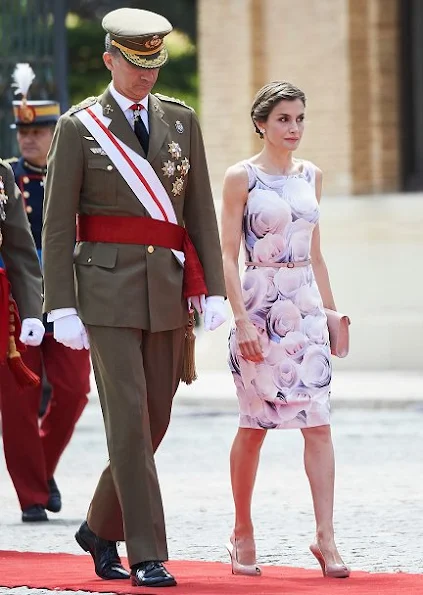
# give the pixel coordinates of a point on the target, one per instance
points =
(248, 341)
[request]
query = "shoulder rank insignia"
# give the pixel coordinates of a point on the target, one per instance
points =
(173, 100)
(84, 104)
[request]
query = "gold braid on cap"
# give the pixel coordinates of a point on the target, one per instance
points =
(137, 52)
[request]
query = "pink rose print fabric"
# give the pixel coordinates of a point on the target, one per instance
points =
(291, 387)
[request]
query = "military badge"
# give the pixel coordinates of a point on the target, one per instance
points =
(108, 109)
(179, 126)
(154, 42)
(3, 200)
(97, 151)
(177, 186)
(26, 113)
(184, 166)
(174, 150)
(168, 168)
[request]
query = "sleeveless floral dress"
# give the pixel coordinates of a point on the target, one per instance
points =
(291, 387)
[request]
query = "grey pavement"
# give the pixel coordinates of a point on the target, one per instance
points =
(379, 506)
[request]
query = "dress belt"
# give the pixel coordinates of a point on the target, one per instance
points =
(278, 265)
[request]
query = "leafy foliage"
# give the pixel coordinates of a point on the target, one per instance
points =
(181, 13)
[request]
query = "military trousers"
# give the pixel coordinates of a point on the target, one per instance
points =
(137, 374)
(32, 450)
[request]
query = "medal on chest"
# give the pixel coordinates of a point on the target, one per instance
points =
(3, 200)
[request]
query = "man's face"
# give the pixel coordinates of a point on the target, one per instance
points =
(34, 143)
(133, 82)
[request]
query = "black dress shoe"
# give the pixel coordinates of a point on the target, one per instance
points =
(54, 503)
(34, 514)
(104, 553)
(151, 574)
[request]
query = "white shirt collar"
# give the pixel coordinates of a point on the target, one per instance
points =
(123, 102)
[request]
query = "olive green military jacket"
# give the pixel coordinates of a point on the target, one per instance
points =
(116, 284)
(17, 248)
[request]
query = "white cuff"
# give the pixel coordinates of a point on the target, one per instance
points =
(60, 313)
(215, 298)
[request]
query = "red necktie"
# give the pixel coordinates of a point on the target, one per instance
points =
(139, 127)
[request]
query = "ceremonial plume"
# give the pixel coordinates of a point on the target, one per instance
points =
(23, 75)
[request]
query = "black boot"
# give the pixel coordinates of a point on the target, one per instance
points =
(34, 514)
(54, 503)
(104, 553)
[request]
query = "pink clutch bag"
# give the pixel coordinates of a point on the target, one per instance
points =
(339, 336)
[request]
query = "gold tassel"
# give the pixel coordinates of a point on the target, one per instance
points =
(189, 373)
(23, 375)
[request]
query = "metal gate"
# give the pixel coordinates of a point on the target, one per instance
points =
(31, 31)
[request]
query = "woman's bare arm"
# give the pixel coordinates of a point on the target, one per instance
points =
(235, 193)
(318, 262)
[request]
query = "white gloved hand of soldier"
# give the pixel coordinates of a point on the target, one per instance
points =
(70, 331)
(213, 308)
(32, 332)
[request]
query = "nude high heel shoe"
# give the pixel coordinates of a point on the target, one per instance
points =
(237, 568)
(329, 570)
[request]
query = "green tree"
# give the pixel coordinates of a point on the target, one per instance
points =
(181, 13)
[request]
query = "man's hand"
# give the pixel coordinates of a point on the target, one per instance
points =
(32, 332)
(213, 308)
(215, 312)
(198, 302)
(70, 331)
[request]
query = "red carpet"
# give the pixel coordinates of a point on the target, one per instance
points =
(73, 573)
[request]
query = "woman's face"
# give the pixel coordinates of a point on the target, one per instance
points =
(284, 126)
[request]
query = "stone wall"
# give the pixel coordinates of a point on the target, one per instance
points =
(342, 53)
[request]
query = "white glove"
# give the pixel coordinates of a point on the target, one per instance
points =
(70, 331)
(215, 312)
(32, 332)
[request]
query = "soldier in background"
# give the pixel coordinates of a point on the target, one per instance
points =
(33, 450)
(23, 280)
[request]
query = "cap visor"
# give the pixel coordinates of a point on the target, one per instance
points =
(154, 61)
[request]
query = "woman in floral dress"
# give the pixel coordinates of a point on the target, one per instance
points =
(279, 350)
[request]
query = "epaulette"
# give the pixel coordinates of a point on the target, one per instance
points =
(79, 106)
(173, 100)
(11, 159)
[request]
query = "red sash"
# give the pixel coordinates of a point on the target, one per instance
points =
(145, 231)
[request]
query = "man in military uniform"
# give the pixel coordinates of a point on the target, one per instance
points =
(23, 280)
(33, 450)
(131, 166)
